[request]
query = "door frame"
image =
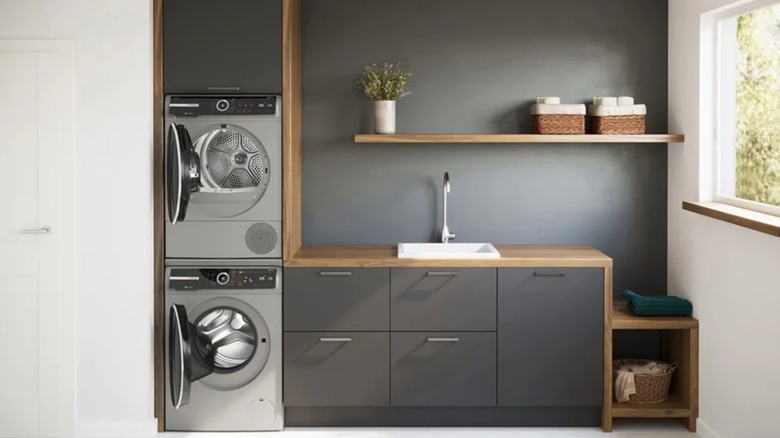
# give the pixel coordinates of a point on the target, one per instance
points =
(65, 230)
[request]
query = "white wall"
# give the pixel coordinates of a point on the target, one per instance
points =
(114, 328)
(731, 274)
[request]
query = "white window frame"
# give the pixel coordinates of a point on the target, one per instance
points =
(723, 33)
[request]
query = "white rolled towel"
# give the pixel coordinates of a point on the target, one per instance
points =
(625, 101)
(549, 100)
(608, 101)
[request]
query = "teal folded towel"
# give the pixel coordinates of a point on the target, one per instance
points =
(657, 306)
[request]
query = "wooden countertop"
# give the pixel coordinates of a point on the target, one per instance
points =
(348, 256)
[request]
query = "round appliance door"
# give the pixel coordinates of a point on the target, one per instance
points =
(239, 338)
(182, 172)
(191, 356)
(236, 170)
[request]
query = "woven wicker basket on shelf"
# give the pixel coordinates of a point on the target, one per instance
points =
(570, 124)
(618, 125)
(650, 388)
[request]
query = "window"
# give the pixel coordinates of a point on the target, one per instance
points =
(747, 169)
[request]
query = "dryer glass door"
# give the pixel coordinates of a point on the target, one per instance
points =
(191, 356)
(182, 172)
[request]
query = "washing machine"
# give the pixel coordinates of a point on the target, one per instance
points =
(223, 347)
(223, 185)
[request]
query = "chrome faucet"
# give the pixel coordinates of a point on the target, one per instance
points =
(446, 236)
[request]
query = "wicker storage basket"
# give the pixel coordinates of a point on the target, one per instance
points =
(618, 125)
(571, 124)
(650, 388)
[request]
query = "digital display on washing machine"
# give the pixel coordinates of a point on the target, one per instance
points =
(254, 278)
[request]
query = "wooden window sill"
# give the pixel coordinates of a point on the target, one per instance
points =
(764, 223)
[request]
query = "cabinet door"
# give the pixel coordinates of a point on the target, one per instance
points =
(443, 299)
(550, 337)
(222, 46)
(443, 369)
(336, 369)
(336, 299)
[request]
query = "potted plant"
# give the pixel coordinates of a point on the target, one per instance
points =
(384, 85)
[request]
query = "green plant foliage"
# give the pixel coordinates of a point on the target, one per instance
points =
(384, 83)
(758, 106)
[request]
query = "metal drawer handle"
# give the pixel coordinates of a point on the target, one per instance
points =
(335, 339)
(442, 274)
(443, 339)
(335, 273)
(549, 274)
(42, 230)
(224, 88)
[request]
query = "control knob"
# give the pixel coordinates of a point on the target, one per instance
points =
(223, 105)
(223, 278)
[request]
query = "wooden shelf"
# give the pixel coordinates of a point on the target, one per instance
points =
(623, 319)
(517, 138)
(672, 408)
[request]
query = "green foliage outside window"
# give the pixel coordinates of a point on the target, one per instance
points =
(758, 106)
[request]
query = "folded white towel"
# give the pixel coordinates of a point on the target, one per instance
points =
(570, 109)
(601, 110)
(625, 101)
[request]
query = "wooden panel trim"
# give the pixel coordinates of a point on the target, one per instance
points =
(158, 172)
(291, 128)
(761, 222)
(606, 409)
(517, 138)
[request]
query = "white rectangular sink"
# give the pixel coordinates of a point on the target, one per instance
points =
(447, 251)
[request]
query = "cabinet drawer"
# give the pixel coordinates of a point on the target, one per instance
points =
(550, 337)
(336, 299)
(443, 369)
(443, 299)
(336, 369)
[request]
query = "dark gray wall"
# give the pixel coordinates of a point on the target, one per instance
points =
(477, 65)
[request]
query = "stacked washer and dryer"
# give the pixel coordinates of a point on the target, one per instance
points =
(223, 284)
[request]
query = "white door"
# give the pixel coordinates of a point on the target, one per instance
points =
(36, 209)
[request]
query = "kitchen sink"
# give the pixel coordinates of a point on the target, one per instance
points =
(447, 251)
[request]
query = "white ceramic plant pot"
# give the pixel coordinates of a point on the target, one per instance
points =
(384, 116)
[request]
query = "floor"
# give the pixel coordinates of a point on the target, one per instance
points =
(632, 429)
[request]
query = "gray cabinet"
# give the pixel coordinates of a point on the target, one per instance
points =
(443, 369)
(550, 337)
(227, 46)
(336, 369)
(336, 299)
(443, 299)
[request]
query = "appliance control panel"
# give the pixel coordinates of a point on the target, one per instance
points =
(192, 106)
(222, 278)
(243, 278)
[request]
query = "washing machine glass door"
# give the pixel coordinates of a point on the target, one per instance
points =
(239, 338)
(235, 170)
(182, 172)
(191, 356)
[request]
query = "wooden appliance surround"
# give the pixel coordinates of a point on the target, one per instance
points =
(291, 133)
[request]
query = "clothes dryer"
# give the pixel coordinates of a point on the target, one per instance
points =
(223, 185)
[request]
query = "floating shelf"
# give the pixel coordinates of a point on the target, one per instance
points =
(517, 138)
